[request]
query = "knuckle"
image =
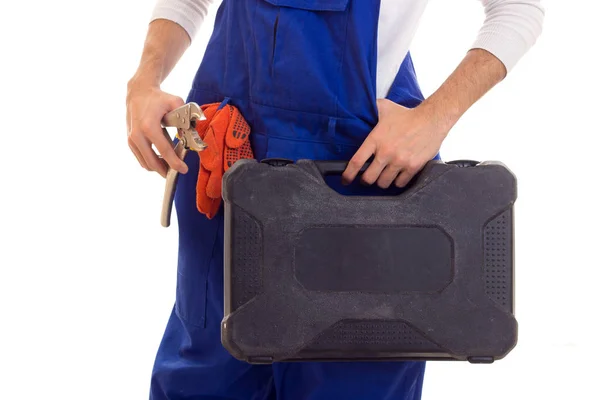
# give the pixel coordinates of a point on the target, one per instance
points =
(168, 157)
(400, 183)
(135, 136)
(405, 178)
(153, 166)
(400, 160)
(386, 155)
(160, 146)
(368, 179)
(354, 163)
(396, 162)
(167, 153)
(173, 161)
(383, 184)
(413, 165)
(146, 125)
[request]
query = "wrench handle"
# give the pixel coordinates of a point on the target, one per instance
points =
(170, 185)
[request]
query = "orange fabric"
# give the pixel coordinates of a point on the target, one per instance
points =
(227, 136)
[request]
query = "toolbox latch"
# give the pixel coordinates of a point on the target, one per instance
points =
(480, 360)
(260, 360)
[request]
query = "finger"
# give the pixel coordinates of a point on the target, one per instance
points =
(152, 160)
(137, 153)
(128, 120)
(358, 160)
(164, 163)
(389, 174)
(404, 178)
(165, 148)
(372, 173)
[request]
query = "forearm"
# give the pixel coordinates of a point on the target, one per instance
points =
(510, 29)
(476, 75)
(166, 41)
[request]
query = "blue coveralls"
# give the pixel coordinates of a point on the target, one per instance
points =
(303, 74)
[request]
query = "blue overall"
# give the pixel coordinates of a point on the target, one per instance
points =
(303, 74)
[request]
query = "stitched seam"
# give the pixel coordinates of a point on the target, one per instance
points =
(268, 136)
(274, 44)
(375, 54)
(254, 101)
(256, 46)
(184, 315)
(212, 256)
(336, 110)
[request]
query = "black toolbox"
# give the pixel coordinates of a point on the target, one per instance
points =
(312, 274)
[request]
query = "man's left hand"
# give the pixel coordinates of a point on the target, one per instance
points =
(403, 141)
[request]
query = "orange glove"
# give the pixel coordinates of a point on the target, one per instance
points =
(226, 134)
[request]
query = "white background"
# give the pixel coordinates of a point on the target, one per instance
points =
(87, 272)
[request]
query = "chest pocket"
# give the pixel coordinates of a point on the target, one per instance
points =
(299, 48)
(313, 5)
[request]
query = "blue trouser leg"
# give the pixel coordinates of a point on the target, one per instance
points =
(191, 363)
(349, 381)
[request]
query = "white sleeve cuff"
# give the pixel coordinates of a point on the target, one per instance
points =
(189, 14)
(510, 29)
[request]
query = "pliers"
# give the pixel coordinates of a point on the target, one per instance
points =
(184, 119)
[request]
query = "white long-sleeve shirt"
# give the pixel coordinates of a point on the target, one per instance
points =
(510, 29)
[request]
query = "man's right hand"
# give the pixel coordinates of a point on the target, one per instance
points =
(146, 106)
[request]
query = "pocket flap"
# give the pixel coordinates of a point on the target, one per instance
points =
(312, 5)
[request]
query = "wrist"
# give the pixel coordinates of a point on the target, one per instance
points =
(439, 116)
(150, 70)
(143, 80)
(145, 77)
(141, 84)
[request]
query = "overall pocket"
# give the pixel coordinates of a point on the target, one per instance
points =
(299, 48)
(312, 5)
(198, 251)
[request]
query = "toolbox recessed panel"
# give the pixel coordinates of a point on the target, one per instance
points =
(373, 259)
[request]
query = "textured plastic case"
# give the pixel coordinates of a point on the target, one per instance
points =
(311, 274)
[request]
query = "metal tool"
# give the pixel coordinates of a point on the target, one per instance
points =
(184, 119)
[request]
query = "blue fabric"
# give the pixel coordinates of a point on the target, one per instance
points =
(302, 72)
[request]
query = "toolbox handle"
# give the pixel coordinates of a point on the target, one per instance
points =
(335, 167)
(330, 167)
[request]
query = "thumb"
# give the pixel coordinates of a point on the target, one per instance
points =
(386, 106)
(382, 107)
(174, 102)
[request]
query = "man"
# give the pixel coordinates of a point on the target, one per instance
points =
(317, 79)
